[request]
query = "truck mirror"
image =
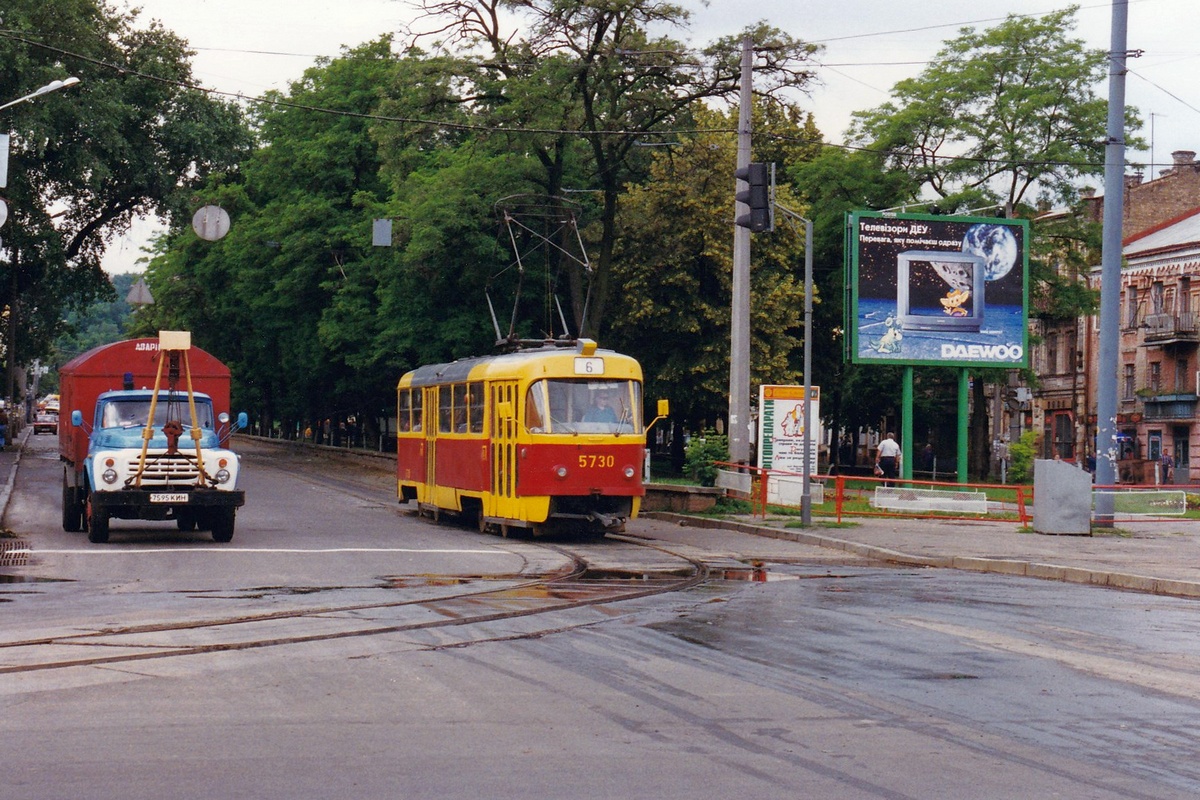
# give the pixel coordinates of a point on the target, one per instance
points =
(76, 418)
(243, 421)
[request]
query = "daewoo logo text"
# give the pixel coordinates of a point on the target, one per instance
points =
(982, 352)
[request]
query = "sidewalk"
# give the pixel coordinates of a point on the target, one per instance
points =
(1156, 557)
(10, 459)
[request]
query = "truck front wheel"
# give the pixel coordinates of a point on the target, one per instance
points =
(222, 524)
(98, 525)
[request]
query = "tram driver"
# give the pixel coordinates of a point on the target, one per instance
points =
(601, 409)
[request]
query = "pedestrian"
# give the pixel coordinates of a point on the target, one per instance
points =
(1168, 468)
(887, 458)
(928, 457)
(3, 428)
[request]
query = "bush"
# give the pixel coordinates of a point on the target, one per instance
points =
(1020, 458)
(700, 454)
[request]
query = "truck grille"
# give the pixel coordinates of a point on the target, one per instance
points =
(166, 471)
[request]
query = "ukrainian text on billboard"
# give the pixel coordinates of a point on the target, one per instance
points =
(939, 290)
(781, 427)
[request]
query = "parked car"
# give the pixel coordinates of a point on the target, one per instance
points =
(45, 422)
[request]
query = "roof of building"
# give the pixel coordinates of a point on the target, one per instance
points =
(1172, 234)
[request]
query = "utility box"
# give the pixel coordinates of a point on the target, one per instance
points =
(1062, 498)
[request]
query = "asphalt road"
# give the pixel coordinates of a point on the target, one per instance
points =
(833, 678)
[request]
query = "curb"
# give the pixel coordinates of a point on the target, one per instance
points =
(1000, 566)
(7, 488)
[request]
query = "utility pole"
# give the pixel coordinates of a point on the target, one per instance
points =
(739, 334)
(1110, 268)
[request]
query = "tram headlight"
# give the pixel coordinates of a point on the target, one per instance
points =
(560, 471)
(629, 472)
(109, 476)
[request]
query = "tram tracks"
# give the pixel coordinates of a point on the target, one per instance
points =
(459, 618)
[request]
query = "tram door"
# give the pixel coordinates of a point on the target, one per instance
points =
(503, 407)
(428, 492)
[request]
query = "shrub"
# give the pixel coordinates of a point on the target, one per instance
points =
(700, 454)
(1020, 458)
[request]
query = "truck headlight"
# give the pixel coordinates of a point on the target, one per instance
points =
(222, 476)
(109, 476)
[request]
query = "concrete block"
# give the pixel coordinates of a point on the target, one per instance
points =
(1062, 498)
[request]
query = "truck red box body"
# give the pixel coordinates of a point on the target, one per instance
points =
(101, 369)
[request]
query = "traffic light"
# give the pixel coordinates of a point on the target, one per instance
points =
(757, 196)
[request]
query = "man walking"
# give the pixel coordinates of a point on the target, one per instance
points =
(887, 458)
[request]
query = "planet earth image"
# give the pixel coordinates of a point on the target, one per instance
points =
(996, 245)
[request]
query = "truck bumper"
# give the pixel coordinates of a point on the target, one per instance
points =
(159, 503)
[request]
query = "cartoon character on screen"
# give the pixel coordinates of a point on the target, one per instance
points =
(954, 301)
(793, 422)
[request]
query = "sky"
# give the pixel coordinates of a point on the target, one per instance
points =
(250, 46)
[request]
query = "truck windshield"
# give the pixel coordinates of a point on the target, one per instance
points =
(584, 406)
(135, 413)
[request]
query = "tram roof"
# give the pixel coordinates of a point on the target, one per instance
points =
(503, 364)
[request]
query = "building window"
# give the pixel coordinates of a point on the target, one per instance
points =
(1052, 354)
(1131, 301)
(1127, 385)
(1182, 376)
(1155, 377)
(1157, 295)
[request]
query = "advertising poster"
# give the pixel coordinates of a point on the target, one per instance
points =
(781, 427)
(944, 291)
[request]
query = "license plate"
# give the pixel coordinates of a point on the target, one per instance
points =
(168, 497)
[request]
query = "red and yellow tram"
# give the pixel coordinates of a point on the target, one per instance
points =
(548, 439)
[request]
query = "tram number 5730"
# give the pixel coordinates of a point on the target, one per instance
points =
(596, 461)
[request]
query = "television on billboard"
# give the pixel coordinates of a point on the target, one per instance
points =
(944, 291)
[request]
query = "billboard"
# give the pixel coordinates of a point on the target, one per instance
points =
(944, 291)
(781, 428)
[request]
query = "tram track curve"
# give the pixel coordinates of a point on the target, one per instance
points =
(574, 589)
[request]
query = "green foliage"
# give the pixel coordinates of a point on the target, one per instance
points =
(1005, 111)
(131, 139)
(674, 262)
(701, 452)
(1021, 455)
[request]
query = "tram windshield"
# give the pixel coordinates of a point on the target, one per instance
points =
(584, 406)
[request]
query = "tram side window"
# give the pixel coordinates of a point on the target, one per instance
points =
(475, 407)
(445, 409)
(418, 412)
(460, 407)
(404, 411)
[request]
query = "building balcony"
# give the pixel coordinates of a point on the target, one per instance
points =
(1168, 329)
(1174, 406)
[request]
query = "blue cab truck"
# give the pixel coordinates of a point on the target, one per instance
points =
(147, 422)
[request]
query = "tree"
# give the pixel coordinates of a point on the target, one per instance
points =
(269, 299)
(130, 140)
(583, 85)
(997, 116)
(674, 261)
(999, 113)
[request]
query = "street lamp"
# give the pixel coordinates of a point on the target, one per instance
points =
(10, 339)
(52, 86)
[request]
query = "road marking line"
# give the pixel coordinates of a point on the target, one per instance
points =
(1148, 676)
(110, 550)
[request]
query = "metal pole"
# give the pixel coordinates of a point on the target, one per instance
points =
(739, 333)
(1110, 268)
(806, 488)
